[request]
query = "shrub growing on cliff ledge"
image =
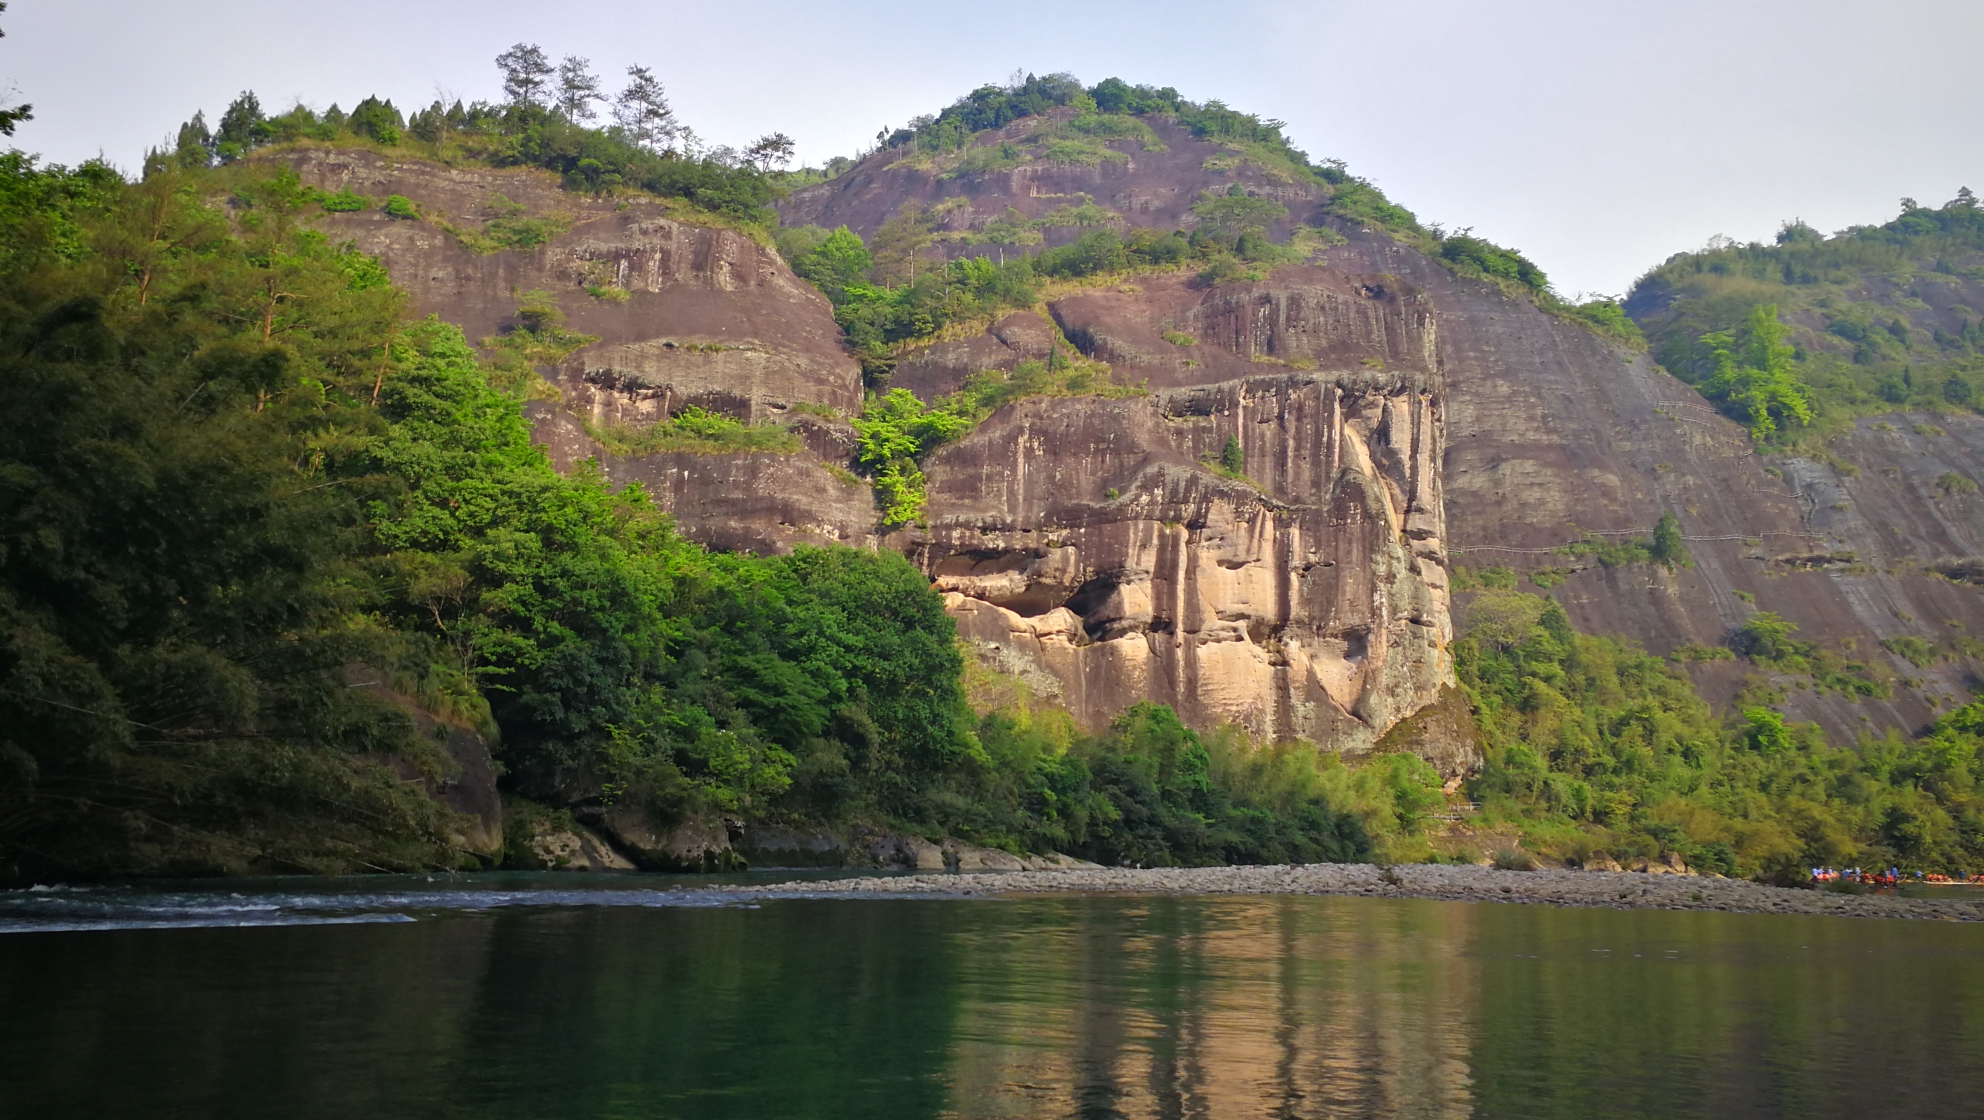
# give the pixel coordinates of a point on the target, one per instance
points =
(1484, 258)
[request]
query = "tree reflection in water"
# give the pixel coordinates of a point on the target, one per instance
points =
(1033, 1007)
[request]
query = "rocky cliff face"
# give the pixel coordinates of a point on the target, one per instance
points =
(1149, 182)
(693, 315)
(1555, 433)
(701, 316)
(1547, 434)
(1393, 420)
(1085, 543)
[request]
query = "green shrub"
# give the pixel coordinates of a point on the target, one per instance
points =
(1954, 485)
(1232, 457)
(344, 202)
(1913, 650)
(1666, 547)
(1473, 255)
(401, 207)
(700, 432)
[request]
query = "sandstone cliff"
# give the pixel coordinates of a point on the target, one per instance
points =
(1083, 542)
(695, 315)
(1547, 432)
(1394, 420)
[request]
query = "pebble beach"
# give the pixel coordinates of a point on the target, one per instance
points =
(1457, 883)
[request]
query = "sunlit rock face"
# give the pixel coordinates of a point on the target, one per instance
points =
(1308, 599)
(1095, 546)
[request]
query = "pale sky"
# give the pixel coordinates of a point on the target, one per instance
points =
(1598, 138)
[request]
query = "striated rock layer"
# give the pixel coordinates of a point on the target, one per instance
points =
(1309, 600)
(1087, 545)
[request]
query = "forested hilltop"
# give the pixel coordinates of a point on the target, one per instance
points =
(1269, 203)
(1797, 338)
(272, 544)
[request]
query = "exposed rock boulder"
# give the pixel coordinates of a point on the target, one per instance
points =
(912, 852)
(1669, 864)
(573, 849)
(959, 856)
(774, 845)
(690, 844)
(1443, 733)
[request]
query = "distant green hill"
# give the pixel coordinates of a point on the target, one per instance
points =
(1881, 318)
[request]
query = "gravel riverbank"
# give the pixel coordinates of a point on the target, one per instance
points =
(1619, 890)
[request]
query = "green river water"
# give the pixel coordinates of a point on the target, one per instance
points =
(547, 996)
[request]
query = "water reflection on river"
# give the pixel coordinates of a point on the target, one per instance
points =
(1040, 1007)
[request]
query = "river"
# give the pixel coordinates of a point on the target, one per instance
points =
(559, 996)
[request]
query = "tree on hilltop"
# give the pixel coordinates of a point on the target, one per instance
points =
(770, 153)
(578, 88)
(642, 111)
(526, 74)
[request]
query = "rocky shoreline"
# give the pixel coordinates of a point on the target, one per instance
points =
(1458, 883)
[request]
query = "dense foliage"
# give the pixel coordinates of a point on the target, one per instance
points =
(233, 470)
(1152, 792)
(1599, 750)
(236, 478)
(1796, 338)
(891, 292)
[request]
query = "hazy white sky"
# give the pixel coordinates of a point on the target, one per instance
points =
(1596, 137)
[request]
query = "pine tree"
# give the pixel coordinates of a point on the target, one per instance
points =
(578, 88)
(236, 137)
(195, 143)
(1668, 547)
(526, 73)
(1233, 457)
(642, 111)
